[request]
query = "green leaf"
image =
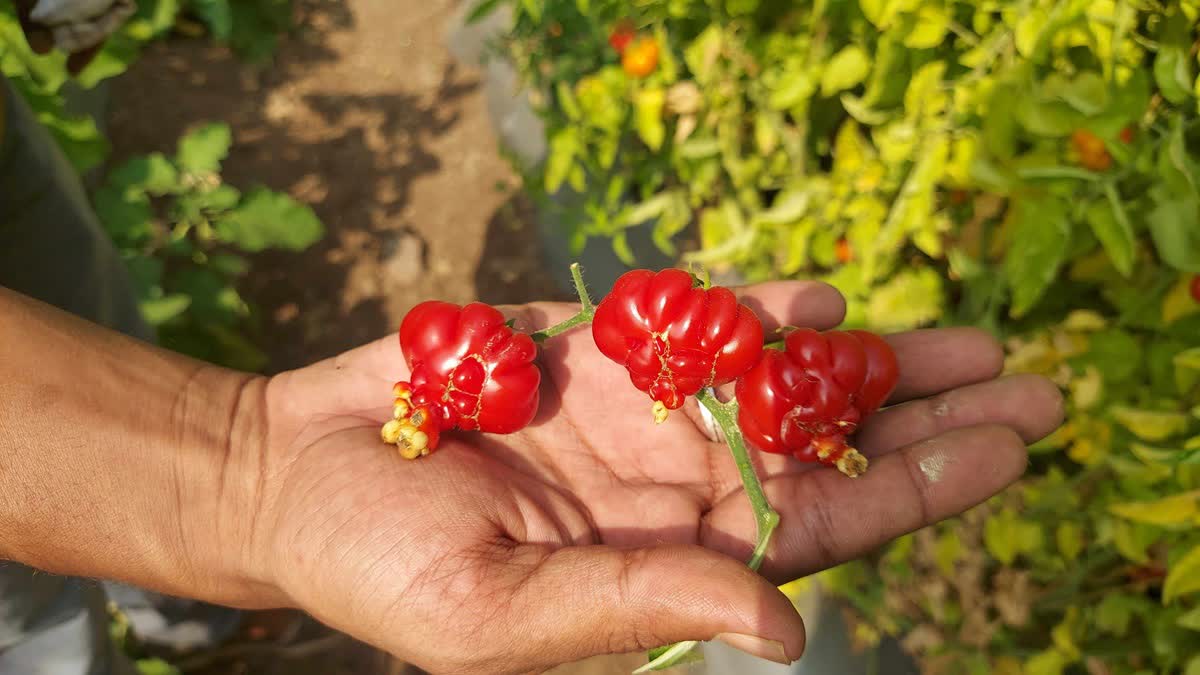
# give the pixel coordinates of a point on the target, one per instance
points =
(155, 666)
(566, 101)
(1115, 611)
(1111, 225)
(947, 551)
(1069, 538)
(229, 265)
(648, 116)
(1193, 666)
(1039, 238)
(931, 23)
(1000, 125)
(910, 299)
(202, 150)
(620, 246)
(267, 219)
(703, 52)
(157, 311)
(1005, 535)
(534, 9)
(1172, 224)
(114, 58)
(846, 69)
(1184, 576)
(1190, 620)
(216, 14)
(1052, 119)
(152, 174)
(1087, 93)
(127, 217)
(564, 143)
(482, 10)
(79, 139)
(925, 97)
(1172, 73)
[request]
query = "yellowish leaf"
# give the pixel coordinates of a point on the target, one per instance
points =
(1178, 301)
(1085, 320)
(930, 27)
(1184, 576)
(1087, 389)
(1150, 425)
(1069, 538)
(1176, 511)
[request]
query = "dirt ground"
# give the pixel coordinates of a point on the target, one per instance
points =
(364, 115)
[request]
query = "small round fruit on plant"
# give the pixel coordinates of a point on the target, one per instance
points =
(621, 35)
(1127, 135)
(640, 58)
(1195, 288)
(1091, 151)
(844, 251)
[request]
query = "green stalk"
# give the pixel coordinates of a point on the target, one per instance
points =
(765, 517)
(586, 310)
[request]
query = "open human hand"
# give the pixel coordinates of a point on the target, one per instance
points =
(593, 530)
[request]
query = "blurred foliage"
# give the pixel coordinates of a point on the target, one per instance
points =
(178, 226)
(182, 230)
(1028, 166)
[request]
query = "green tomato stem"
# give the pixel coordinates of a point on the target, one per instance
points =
(765, 517)
(586, 310)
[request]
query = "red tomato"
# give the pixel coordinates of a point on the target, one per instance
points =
(621, 35)
(808, 398)
(844, 251)
(674, 337)
(469, 371)
(1091, 151)
(1127, 135)
(1195, 288)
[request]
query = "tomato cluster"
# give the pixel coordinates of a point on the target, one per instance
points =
(675, 336)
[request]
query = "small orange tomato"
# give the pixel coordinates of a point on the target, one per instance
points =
(640, 58)
(1127, 135)
(844, 251)
(1091, 151)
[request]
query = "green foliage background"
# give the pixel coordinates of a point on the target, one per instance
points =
(932, 143)
(180, 228)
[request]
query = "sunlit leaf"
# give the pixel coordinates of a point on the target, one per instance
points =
(1183, 577)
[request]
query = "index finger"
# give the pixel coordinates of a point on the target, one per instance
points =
(809, 304)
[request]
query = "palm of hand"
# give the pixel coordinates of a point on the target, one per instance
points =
(501, 553)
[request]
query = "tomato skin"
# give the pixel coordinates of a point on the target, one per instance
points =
(675, 338)
(640, 58)
(1195, 288)
(469, 369)
(1127, 135)
(806, 399)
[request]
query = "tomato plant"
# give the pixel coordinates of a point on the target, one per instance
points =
(640, 58)
(941, 142)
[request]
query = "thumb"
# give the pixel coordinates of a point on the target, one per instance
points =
(581, 601)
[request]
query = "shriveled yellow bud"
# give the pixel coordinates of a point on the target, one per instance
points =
(390, 433)
(660, 412)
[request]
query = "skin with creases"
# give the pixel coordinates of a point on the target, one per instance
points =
(590, 531)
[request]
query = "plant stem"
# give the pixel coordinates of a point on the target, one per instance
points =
(765, 517)
(586, 310)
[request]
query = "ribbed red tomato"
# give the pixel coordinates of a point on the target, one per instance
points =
(675, 337)
(806, 399)
(469, 371)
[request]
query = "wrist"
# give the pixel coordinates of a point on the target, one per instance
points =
(222, 510)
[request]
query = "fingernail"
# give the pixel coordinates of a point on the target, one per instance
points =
(771, 650)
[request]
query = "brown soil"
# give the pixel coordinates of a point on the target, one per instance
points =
(363, 115)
